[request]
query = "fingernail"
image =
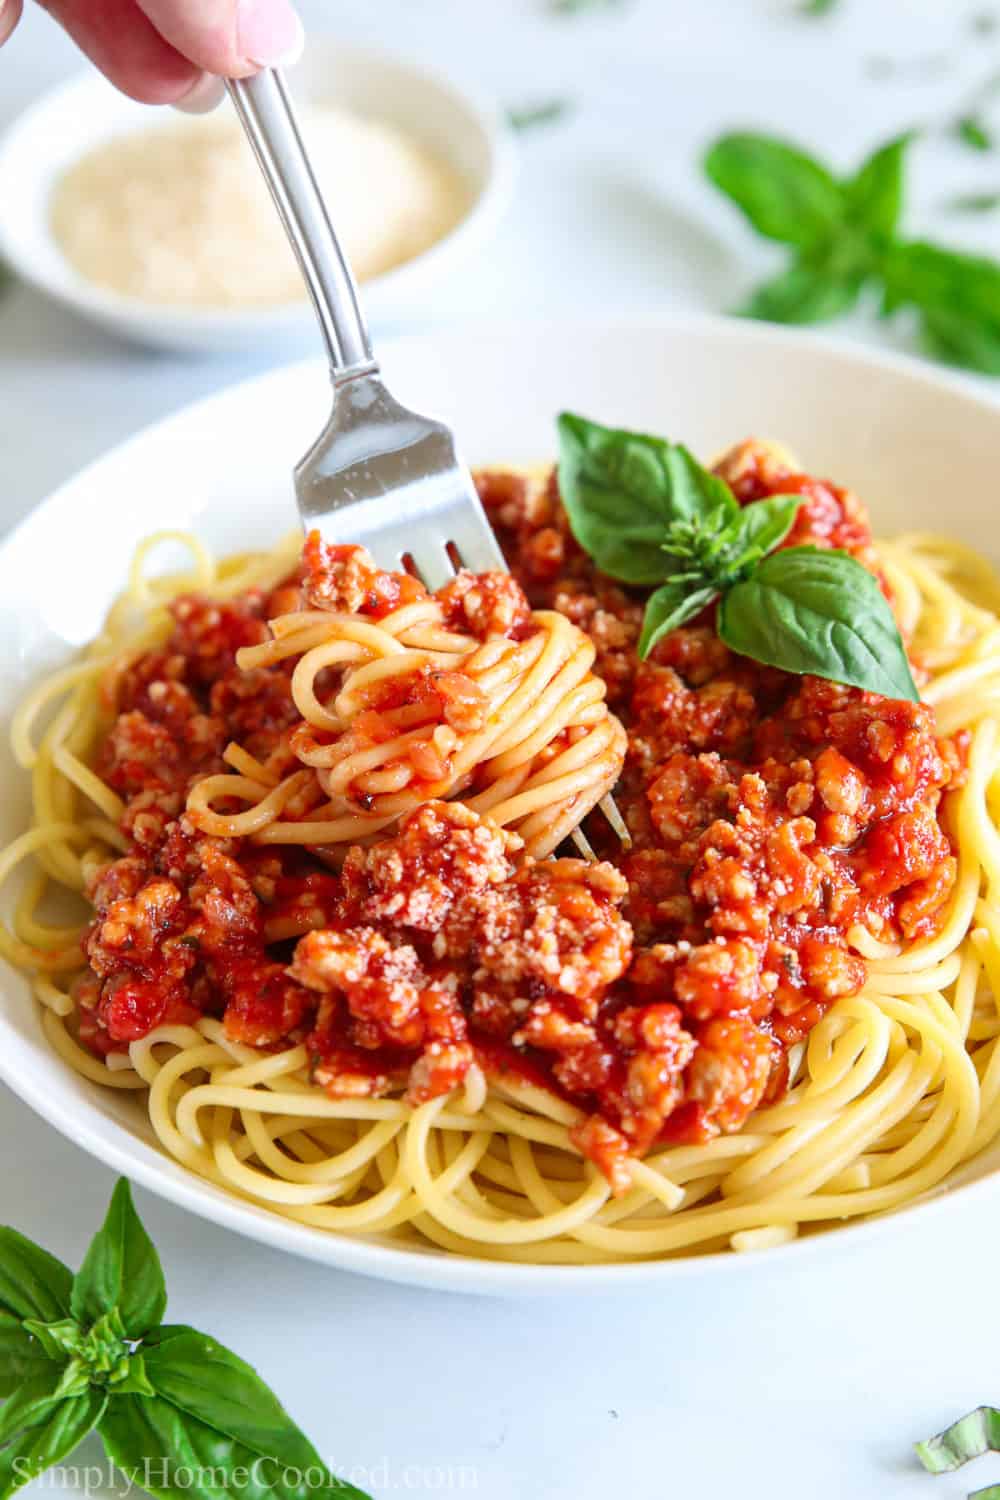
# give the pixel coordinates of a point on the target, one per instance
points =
(269, 33)
(202, 96)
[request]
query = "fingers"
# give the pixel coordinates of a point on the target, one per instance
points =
(206, 94)
(158, 51)
(127, 48)
(10, 14)
(232, 38)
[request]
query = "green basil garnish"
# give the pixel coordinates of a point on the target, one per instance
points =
(39, 1426)
(972, 203)
(803, 294)
(786, 194)
(971, 131)
(182, 1416)
(968, 1438)
(121, 1272)
(649, 514)
(21, 1356)
(760, 528)
(623, 489)
(529, 116)
(817, 610)
(33, 1284)
(843, 237)
(672, 605)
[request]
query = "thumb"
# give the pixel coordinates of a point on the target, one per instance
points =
(232, 38)
(10, 14)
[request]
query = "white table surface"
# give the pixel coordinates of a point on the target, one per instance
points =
(808, 1381)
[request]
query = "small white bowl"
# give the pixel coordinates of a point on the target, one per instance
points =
(80, 115)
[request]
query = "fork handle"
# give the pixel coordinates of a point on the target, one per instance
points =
(266, 114)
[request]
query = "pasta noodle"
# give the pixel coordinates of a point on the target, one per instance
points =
(893, 1088)
(529, 693)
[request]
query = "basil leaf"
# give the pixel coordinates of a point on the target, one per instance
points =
(958, 297)
(786, 195)
(670, 607)
(622, 490)
(959, 340)
(970, 1437)
(60, 1340)
(39, 1425)
(762, 526)
(971, 131)
(696, 494)
(528, 116)
(22, 1357)
(150, 1439)
(972, 203)
(875, 194)
(135, 1380)
(946, 281)
(40, 1433)
(211, 1383)
(122, 1271)
(33, 1284)
(816, 610)
(615, 487)
(803, 294)
(30, 1405)
(74, 1380)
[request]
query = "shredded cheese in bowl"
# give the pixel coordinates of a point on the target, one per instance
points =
(180, 214)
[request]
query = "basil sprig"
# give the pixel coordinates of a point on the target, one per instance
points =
(179, 1414)
(843, 236)
(649, 514)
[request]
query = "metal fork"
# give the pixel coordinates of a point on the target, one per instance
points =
(378, 473)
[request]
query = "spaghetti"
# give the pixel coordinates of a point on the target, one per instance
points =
(369, 1074)
(514, 723)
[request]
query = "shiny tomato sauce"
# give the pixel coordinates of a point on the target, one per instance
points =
(658, 990)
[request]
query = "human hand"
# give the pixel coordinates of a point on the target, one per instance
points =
(174, 51)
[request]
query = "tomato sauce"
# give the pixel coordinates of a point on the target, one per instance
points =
(771, 817)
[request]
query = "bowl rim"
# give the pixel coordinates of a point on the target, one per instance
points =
(438, 1270)
(484, 210)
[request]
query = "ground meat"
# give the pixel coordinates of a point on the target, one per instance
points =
(657, 990)
(345, 578)
(443, 854)
(485, 604)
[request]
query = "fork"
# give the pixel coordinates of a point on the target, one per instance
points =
(378, 472)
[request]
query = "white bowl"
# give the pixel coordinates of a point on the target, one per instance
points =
(73, 119)
(920, 448)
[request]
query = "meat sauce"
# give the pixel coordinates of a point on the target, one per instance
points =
(659, 989)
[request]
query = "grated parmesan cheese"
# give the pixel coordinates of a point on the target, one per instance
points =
(180, 214)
